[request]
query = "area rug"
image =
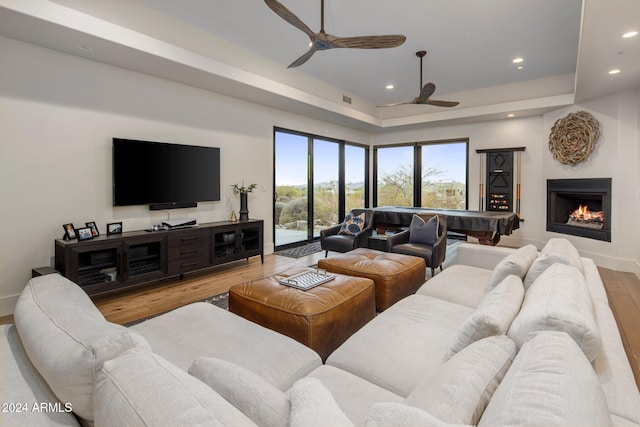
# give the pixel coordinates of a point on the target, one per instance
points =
(220, 300)
(300, 251)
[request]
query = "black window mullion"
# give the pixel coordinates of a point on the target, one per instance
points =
(417, 175)
(375, 177)
(341, 182)
(366, 178)
(310, 188)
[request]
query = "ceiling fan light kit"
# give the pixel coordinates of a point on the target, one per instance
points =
(324, 41)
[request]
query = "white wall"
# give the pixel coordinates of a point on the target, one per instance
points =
(58, 114)
(637, 192)
(616, 155)
(508, 133)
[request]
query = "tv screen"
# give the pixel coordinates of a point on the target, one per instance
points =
(157, 173)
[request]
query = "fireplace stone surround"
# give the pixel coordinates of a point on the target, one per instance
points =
(566, 195)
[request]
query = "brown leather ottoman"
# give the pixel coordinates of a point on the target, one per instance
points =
(321, 318)
(396, 276)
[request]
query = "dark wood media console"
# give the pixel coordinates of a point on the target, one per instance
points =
(107, 264)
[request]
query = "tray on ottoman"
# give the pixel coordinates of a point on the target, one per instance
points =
(396, 276)
(321, 318)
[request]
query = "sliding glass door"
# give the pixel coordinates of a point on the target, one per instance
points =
(291, 188)
(326, 168)
(316, 180)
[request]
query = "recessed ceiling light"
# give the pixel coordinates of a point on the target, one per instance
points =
(518, 60)
(614, 71)
(390, 86)
(510, 115)
(630, 34)
(519, 67)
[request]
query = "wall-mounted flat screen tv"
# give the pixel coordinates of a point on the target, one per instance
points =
(164, 175)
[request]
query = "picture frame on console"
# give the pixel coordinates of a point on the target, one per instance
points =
(84, 233)
(114, 228)
(69, 231)
(94, 228)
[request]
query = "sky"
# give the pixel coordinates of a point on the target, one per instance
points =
(291, 160)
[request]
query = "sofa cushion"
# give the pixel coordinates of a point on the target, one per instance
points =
(423, 232)
(67, 338)
(493, 315)
(517, 263)
(461, 389)
(559, 300)
(415, 333)
(353, 394)
(143, 389)
(261, 401)
(312, 405)
(550, 383)
(460, 284)
(196, 330)
(392, 414)
(24, 388)
(353, 224)
(556, 251)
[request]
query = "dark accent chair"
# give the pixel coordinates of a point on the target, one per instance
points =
(330, 240)
(433, 255)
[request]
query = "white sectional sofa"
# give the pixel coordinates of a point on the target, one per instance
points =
(504, 337)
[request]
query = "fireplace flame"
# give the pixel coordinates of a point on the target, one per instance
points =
(584, 214)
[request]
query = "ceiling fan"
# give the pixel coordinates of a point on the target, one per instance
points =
(324, 41)
(425, 92)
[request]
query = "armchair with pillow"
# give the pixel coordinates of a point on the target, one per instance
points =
(426, 238)
(350, 234)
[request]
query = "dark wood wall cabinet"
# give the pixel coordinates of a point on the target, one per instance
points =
(108, 264)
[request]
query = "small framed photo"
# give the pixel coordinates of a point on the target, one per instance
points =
(114, 228)
(94, 228)
(84, 233)
(69, 232)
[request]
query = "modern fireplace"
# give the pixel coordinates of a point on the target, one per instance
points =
(580, 207)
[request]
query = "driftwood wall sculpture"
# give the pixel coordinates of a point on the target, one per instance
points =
(574, 137)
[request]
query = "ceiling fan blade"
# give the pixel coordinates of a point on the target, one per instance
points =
(367, 42)
(413, 101)
(288, 16)
(304, 58)
(426, 92)
(441, 103)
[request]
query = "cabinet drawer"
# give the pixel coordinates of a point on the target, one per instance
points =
(189, 264)
(187, 252)
(185, 239)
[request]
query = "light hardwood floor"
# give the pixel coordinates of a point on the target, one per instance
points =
(623, 290)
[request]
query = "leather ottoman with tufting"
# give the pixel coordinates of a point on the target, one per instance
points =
(395, 276)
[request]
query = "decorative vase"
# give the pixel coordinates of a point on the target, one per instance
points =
(244, 212)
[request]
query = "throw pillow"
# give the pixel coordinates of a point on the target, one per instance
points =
(557, 250)
(258, 399)
(353, 224)
(143, 389)
(461, 389)
(391, 414)
(67, 339)
(550, 383)
(312, 405)
(424, 232)
(493, 316)
(517, 263)
(559, 300)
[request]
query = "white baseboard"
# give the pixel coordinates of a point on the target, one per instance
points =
(8, 305)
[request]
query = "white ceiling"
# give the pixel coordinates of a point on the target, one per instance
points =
(242, 48)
